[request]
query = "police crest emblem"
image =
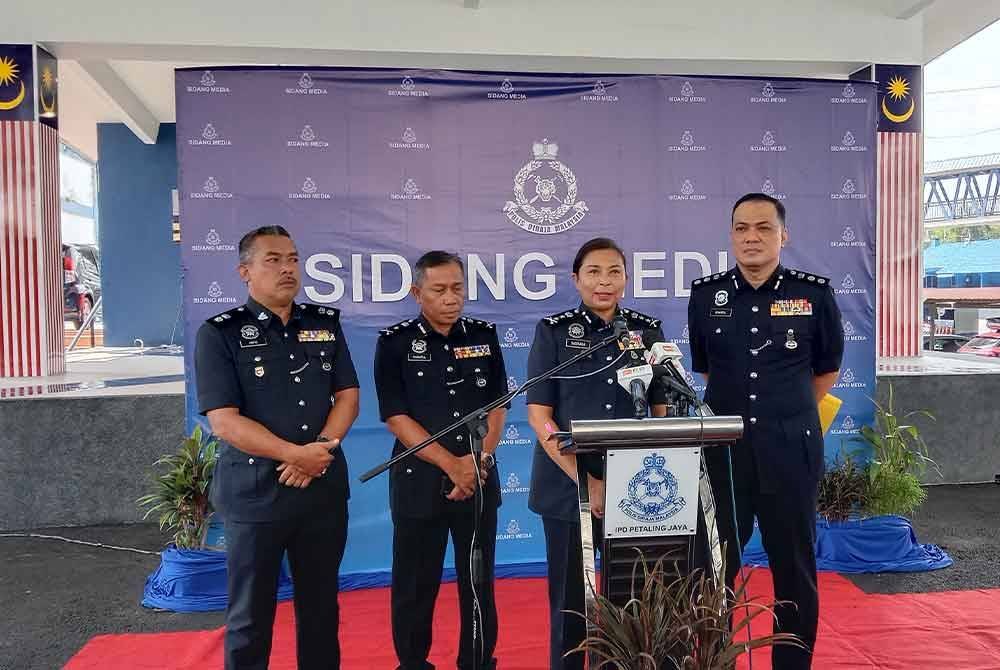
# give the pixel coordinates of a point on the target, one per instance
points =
(652, 492)
(553, 208)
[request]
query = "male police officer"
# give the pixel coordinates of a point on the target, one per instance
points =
(770, 341)
(587, 390)
(277, 383)
(430, 371)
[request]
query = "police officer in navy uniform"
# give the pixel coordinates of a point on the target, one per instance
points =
(276, 381)
(587, 390)
(770, 341)
(429, 371)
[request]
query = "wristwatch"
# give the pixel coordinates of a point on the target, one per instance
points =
(488, 461)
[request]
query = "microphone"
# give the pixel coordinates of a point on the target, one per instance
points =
(636, 380)
(667, 356)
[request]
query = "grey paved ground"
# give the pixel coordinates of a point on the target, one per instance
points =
(55, 596)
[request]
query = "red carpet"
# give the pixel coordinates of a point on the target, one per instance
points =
(955, 630)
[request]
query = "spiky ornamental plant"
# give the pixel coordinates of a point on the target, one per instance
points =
(676, 622)
(180, 495)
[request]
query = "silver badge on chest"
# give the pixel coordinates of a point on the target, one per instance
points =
(249, 332)
(326, 366)
(790, 342)
(721, 298)
(575, 331)
(419, 346)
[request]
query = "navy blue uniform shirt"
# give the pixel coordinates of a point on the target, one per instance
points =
(435, 379)
(588, 389)
(761, 349)
(283, 377)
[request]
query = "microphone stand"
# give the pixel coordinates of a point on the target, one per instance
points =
(476, 423)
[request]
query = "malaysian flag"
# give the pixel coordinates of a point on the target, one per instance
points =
(899, 274)
(31, 334)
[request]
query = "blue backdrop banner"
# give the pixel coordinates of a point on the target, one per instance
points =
(370, 168)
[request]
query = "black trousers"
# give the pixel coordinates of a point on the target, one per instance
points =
(787, 521)
(254, 551)
(564, 554)
(418, 551)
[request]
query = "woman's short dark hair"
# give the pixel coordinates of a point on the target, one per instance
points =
(246, 242)
(596, 244)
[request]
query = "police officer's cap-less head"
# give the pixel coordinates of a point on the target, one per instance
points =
(439, 288)
(758, 231)
(269, 264)
(599, 275)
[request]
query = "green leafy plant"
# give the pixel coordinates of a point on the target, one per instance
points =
(180, 495)
(843, 491)
(677, 622)
(900, 457)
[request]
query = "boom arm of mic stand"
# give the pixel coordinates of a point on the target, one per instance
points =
(480, 414)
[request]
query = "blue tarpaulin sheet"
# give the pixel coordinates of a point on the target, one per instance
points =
(877, 544)
(194, 580)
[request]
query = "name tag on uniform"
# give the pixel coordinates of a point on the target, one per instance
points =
(726, 312)
(798, 307)
(577, 344)
(477, 351)
(316, 336)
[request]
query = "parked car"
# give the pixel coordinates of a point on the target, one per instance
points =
(948, 343)
(983, 344)
(81, 281)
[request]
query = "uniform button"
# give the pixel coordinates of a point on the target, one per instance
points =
(450, 369)
(305, 427)
(451, 391)
(611, 380)
(478, 370)
(607, 407)
(459, 438)
(286, 334)
(297, 380)
(808, 432)
(256, 359)
(754, 352)
(755, 308)
(753, 375)
(302, 403)
(291, 356)
(718, 330)
(754, 330)
(322, 353)
(753, 419)
(420, 373)
(456, 415)
(250, 461)
(446, 347)
(609, 358)
(753, 396)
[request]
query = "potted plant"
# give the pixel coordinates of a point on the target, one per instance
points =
(862, 524)
(190, 578)
(676, 622)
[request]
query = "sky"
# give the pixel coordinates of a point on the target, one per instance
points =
(962, 99)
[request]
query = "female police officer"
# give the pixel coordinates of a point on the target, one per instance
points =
(587, 390)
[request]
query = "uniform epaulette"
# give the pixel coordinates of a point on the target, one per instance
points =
(307, 308)
(645, 319)
(398, 327)
(808, 277)
(559, 317)
(479, 323)
(709, 279)
(225, 318)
